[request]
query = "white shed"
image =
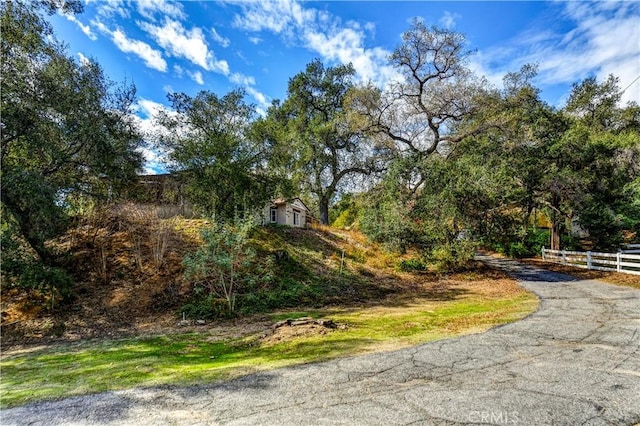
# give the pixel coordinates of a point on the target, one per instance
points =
(292, 212)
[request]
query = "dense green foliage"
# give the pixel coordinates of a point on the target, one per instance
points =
(313, 137)
(67, 137)
(576, 168)
(223, 267)
(211, 150)
(243, 269)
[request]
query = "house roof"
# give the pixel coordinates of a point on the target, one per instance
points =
(281, 201)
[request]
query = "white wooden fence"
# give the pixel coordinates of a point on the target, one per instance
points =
(622, 261)
(632, 249)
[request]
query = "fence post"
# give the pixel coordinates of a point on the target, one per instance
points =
(564, 257)
(544, 258)
(589, 260)
(618, 261)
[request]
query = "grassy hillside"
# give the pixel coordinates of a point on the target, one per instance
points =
(131, 295)
(127, 262)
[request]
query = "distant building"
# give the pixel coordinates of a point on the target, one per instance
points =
(292, 212)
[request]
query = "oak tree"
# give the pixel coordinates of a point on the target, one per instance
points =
(317, 141)
(210, 148)
(67, 131)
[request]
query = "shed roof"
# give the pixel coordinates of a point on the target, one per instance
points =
(282, 201)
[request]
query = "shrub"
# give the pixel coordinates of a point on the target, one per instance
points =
(518, 250)
(536, 239)
(290, 293)
(453, 256)
(347, 218)
(21, 268)
(528, 245)
(389, 226)
(226, 266)
(409, 265)
(205, 306)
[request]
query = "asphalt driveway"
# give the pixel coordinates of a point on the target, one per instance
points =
(576, 361)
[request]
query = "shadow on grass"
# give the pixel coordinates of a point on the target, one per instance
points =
(177, 360)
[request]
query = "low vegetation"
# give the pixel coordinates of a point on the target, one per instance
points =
(132, 268)
(428, 309)
(151, 311)
(89, 253)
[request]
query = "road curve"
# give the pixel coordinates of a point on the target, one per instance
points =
(576, 361)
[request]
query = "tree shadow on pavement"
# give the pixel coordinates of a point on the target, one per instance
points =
(521, 271)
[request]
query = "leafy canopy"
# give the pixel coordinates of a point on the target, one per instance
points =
(211, 148)
(67, 131)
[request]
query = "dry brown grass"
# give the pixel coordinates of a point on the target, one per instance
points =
(127, 262)
(127, 288)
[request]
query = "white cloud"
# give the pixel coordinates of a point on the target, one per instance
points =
(194, 75)
(148, 8)
(318, 31)
(147, 111)
(242, 79)
(602, 40)
(478, 64)
(110, 8)
(248, 83)
(197, 77)
(223, 41)
(153, 164)
(449, 19)
(346, 46)
(151, 57)
(189, 44)
(613, 45)
(86, 29)
(178, 70)
(261, 98)
(83, 59)
(280, 17)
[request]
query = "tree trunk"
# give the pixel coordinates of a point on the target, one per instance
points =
(324, 210)
(555, 223)
(555, 235)
(28, 230)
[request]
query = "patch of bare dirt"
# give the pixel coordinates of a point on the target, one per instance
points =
(283, 334)
(128, 267)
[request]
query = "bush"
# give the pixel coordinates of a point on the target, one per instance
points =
(410, 265)
(536, 239)
(205, 306)
(224, 268)
(289, 294)
(453, 256)
(529, 245)
(518, 250)
(21, 268)
(386, 224)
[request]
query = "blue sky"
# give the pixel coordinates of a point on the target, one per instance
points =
(165, 46)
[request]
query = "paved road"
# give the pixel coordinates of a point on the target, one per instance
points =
(575, 361)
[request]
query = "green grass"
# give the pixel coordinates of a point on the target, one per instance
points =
(183, 359)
